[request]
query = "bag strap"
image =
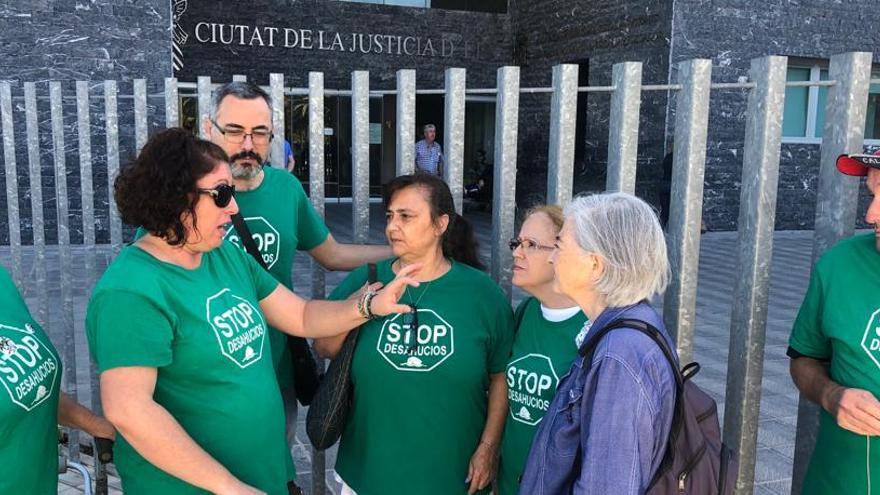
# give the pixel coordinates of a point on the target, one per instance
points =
(521, 315)
(244, 233)
(372, 273)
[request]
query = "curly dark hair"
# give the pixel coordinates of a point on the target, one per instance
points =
(159, 186)
(458, 241)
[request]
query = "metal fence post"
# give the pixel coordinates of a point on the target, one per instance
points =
(316, 195)
(757, 213)
(111, 120)
(623, 126)
(504, 197)
(172, 104)
(203, 87)
(360, 156)
(836, 203)
(276, 90)
(64, 256)
(140, 113)
(563, 119)
(11, 182)
(35, 169)
(453, 133)
(406, 121)
(686, 205)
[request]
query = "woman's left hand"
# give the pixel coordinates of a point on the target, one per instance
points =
(483, 467)
(385, 300)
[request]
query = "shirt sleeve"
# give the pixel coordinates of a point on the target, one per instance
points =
(264, 282)
(618, 432)
(310, 229)
(501, 341)
(117, 339)
(807, 335)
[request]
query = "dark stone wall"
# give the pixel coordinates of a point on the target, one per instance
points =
(731, 33)
(595, 34)
(478, 41)
(68, 40)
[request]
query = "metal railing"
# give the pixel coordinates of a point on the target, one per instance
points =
(835, 213)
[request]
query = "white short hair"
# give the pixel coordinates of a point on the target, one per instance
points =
(625, 232)
(428, 127)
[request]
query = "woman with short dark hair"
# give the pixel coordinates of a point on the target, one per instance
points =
(178, 330)
(429, 391)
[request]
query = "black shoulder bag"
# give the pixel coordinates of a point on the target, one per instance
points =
(329, 411)
(305, 368)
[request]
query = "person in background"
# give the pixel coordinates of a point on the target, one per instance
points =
(429, 154)
(608, 426)
(33, 404)
(547, 323)
(430, 397)
(178, 327)
(278, 214)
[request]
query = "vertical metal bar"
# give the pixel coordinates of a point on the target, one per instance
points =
(360, 155)
(276, 92)
(203, 87)
(36, 186)
(316, 195)
(757, 213)
(686, 205)
(239, 78)
(453, 133)
(406, 121)
(111, 119)
(172, 103)
(140, 113)
(836, 204)
(64, 255)
(563, 117)
(623, 139)
(504, 197)
(11, 182)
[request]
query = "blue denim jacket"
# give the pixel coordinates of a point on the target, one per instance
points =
(606, 430)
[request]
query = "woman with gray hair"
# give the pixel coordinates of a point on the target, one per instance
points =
(607, 428)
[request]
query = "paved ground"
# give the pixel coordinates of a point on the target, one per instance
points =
(716, 280)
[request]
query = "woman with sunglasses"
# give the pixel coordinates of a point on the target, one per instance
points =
(429, 392)
(547, 323)
(178, 330)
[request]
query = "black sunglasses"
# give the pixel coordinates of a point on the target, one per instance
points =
(412, 320)
(222, 194)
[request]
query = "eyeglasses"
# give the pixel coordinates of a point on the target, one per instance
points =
(237, 136)
(222, 194)
(529, 246)
(411, 320)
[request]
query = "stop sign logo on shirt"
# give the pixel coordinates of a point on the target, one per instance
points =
(531, 383)
(265, 236)
(410, 348)
(871, 339)
(239, 327)
(28, 370)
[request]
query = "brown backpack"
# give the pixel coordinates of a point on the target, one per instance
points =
(696, 461)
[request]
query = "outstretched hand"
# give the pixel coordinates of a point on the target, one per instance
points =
(385, 301)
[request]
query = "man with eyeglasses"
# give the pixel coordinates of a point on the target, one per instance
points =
(276, 211)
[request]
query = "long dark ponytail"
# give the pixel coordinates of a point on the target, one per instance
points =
(458, 242)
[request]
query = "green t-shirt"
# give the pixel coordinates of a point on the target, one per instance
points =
(420, 397)
(30, 371)
(542, 353)
(203, 331)
(281, 221)
(839, 320)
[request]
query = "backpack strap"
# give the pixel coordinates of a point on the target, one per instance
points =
(244, 233)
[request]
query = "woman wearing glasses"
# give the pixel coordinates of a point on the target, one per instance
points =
(429, 390)
(178, 330)
(607, 428)
(547, 323)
